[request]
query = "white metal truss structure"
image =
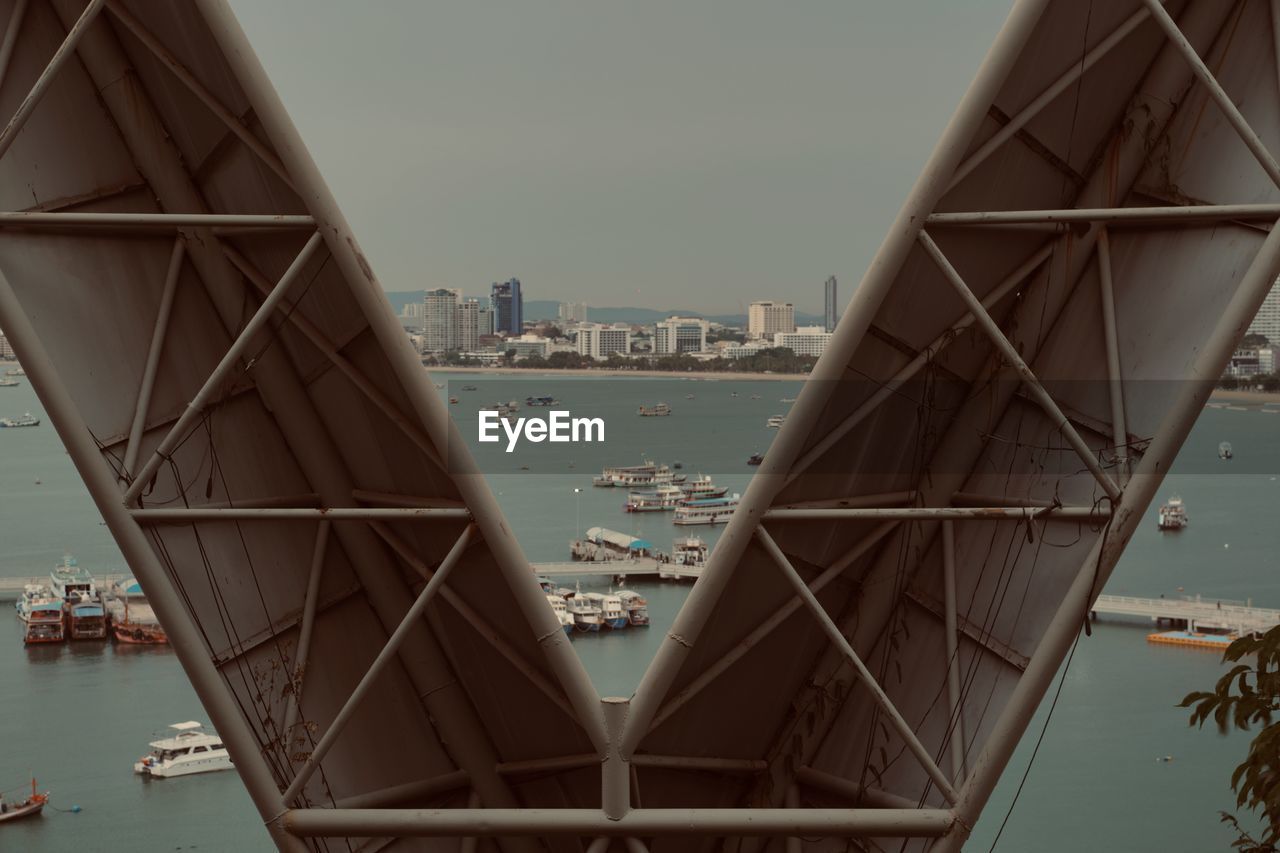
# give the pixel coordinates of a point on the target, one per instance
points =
(905, 575)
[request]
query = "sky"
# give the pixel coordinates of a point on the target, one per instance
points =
(661, 154)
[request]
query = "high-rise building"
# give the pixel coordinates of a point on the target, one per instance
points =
(765, 319)
(572, 312)
(440, 320)
(598, 341)
(680, 334)
(829, 313)
(507, 303)
(6, 350)
(806, 340)
(473, 321)
(1267, 320)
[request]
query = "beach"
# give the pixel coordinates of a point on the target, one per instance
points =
(1257, 398)
(708, 375)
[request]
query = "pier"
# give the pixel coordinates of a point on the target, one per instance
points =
(632, 568)
(1195, 612)
(11, 588)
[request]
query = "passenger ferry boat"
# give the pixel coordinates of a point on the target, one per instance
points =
(132, 619)
(562, 614)
(1173, 515)
(632, 476)
(86, 619)
(27, 420)
(661, 410)
(610, 607)
(706, 511)
(45, 621)
(188, 752)
(659, 500)
(636, 606)
(68, 579)
(586, 616)
(702, 487)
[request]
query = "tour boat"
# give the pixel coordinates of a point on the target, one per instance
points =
(45, 622)
(635, 605)
(1224, 450)
(706, 511)
(9, 383)
(776, 421)
(26, 807)
(27, 420)
(610, 608)
(186, 753)
(1173, 515)
(68, 580)
(660, 499)
(661, 410)
(562, 614)
(702, 487)
(586, 616)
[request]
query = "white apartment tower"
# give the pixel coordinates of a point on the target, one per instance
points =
(440, 320)
(572, 312)
(598, 341)
(766, 318)
(1267, 320)
(680, 334)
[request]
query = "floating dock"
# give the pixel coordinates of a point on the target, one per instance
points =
(637, 567)
(1195, 640)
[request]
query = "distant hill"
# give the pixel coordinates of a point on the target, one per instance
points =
(546, 309)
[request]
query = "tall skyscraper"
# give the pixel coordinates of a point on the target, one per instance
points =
(440, 320)
(765, 319)
(573, 312)
(473, 321)
(508, 307)
(830, 314)
(1267, 320)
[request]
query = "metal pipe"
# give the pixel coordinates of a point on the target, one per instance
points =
(409, 791)
(911, 368)
(184, 76)
(926, 513)
(828, 823)
(11, 36)
(1097, 566)
(366, 496)
(1048, 96)
(600, 845)
(239, 347)
(184, 636)
(159, 331)
(65, 51)
(820, 780)
(740, 648)
(470, 842)
(873, 687)
(792, 844)
(355, 513)
(1011, 355)
(954, 696)
(615, 776)
(696, 763)
(1115, 379)
(380, 663)
(299, 668)
(1220, 97)
(41, 219)
(1117, 215)
(406, 366)
(635, 845)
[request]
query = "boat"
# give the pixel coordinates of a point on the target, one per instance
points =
(1224, 450)
(562, 614)
(647, 475)
(190, 751)
(470, 388)
(776, 421)
(706, 511)
(9, 383)
(86, 619)
(787, 400)
(755, 459)
(661, 410)
(636, 606)
(1173, 515)
(586, 617)
(541, 401)
(26, 420)
(702, 487)
(31, 593)
(15, 371)
(689, 551)
(68, 579)
(610, 606)
(688, 396)
(133, 621)
(755, 396)
(659, 500)
(28, 806)
(453, 400)
(45, 621)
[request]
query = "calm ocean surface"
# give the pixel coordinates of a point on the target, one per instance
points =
(79, 715)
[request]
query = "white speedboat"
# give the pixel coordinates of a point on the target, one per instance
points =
(191, 750)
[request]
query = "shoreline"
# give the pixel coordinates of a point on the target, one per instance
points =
(1225, 395)
(693, 375)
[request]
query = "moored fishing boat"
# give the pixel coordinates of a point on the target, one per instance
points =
(636, 606)
(29, 806)
(45, 621)
(706, 511)
(186, 753)
(562, 614)
(609, 605)
(86, 619)
(132, 618)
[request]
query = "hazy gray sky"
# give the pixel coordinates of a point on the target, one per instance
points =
(657, 153)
